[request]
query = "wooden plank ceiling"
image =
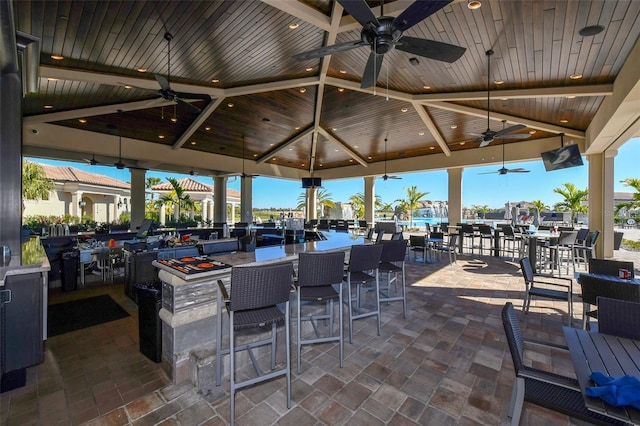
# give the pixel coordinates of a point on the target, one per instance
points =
(267, 107)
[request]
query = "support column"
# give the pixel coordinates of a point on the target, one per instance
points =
(312, 203)
(163, 214)
(137, 199)
(246, 199)
(455, 194)
(370, 200)
(114, 209)
(601, 201)
(204, 209)
(220, 200)
(76, 208)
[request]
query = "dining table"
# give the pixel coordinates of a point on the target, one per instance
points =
(611, 355)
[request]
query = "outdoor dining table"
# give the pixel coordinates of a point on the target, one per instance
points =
(433, 247)
(611, 355)
(532, 242)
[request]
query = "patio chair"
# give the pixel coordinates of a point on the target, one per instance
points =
(594, 286)
(549, 288)
(610, 267)
(317, 274)
(619, 317)
(255, 293)
(546, 389)
(451, 247)
(418, 244)
(586, 250)
(392, 265)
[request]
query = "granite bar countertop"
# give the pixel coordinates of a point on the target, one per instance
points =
(34, 259)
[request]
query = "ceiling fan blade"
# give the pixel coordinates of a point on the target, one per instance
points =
(431, 49)
(163, 82)
(395, 177)
(479, 135)
(360, 11)
(199, 96)
(156, 101)
(329, 50)
(417, 12)
(510, 129)
(518, 170)
(489, 173)
(193, 108)
(371, 71)
(485, 143)
(515, 136)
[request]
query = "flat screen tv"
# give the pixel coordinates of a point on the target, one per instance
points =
(562, 158)
(145, 229)
(311, 182)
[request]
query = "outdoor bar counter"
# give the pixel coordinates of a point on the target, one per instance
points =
(189, 306)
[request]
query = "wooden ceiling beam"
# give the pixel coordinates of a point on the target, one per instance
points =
(302, 11)
(482, 113)
(264, 157)
(343, 146)
(539, 93)
(428, 122)
(201, 118)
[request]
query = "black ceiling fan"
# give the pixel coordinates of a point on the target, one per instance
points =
(385, 176)
(92, 161)
(384, 33)
(120, 165)
(244, 175)
(166, 93)
(503, 170)
(488, 136)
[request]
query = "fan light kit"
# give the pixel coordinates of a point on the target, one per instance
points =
(384, 33)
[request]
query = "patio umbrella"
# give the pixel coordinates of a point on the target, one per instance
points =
(507, 211)
(536, 217)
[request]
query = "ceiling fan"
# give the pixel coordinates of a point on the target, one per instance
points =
(385, 176)
(120, 165)
(92, 161)
(503, 170)
(165, 91)
(488, 136)
(244, 175)
(384, 33)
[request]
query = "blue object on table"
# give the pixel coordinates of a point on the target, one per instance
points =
(619, 392)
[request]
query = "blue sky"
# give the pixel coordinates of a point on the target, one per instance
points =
(491, 189)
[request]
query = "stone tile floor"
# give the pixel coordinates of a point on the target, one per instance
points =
(447, 363)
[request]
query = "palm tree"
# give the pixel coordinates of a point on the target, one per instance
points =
(151, 182)
(323, 199)
(35, 184)
(357, 203)
(176, 197)
(635, 203)
(540, 205)
(483, 210)
(411, 202)
(573, 199)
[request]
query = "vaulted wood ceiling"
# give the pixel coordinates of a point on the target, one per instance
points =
(278, 116)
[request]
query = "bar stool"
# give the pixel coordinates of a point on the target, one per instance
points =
(255, 293)
(317, 274)
(392, 263)
(364, 261)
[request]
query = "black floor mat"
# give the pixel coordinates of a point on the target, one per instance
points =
(78, 314)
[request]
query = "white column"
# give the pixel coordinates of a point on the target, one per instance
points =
(137, 198)
(601, 200)
(312, 203)
(210, 210)
(205, 211)
(246, 199)
(114, 209)
(370, 199)
(176, 213)
(455, 194)
(76, 197)
(220, 200)
(163, 214)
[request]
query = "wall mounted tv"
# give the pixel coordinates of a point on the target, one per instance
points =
(311, 182)
(562, 158)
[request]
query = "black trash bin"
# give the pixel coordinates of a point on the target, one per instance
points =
(69, 270)
(149, 326)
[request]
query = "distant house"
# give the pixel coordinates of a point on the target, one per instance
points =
(79, 193)
(199, 193)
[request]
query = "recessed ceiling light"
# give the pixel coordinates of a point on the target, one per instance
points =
(293, 25)
(303, 89)
(571, 97)
(432, 147)
(336, 150)
(207, 128)
(532, 132)
(404, 109)
(271, 144)
(369, 157)
(174, 119)
(421, 133)
(273, 159)
(297, 128)
(215, 80)
(340, 89)
(498, 82)
(57, 57)
(320, 164)
(564, 121)
(504, 99)
(52, 79)
(230, 105)
(351, 160)
(193, 142)
(302, 164)
(462, 143)
(474, 4)
(255, 155)
(309, 69)
(591, 30)
(426, 87)
(575, 76)
(356, 146)
(454, 126)
(48, 106)
(126, 86)
(160, 136)
(82, 120)
(290, 149)
(343, 71)
(334, 128)
(141, 69)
